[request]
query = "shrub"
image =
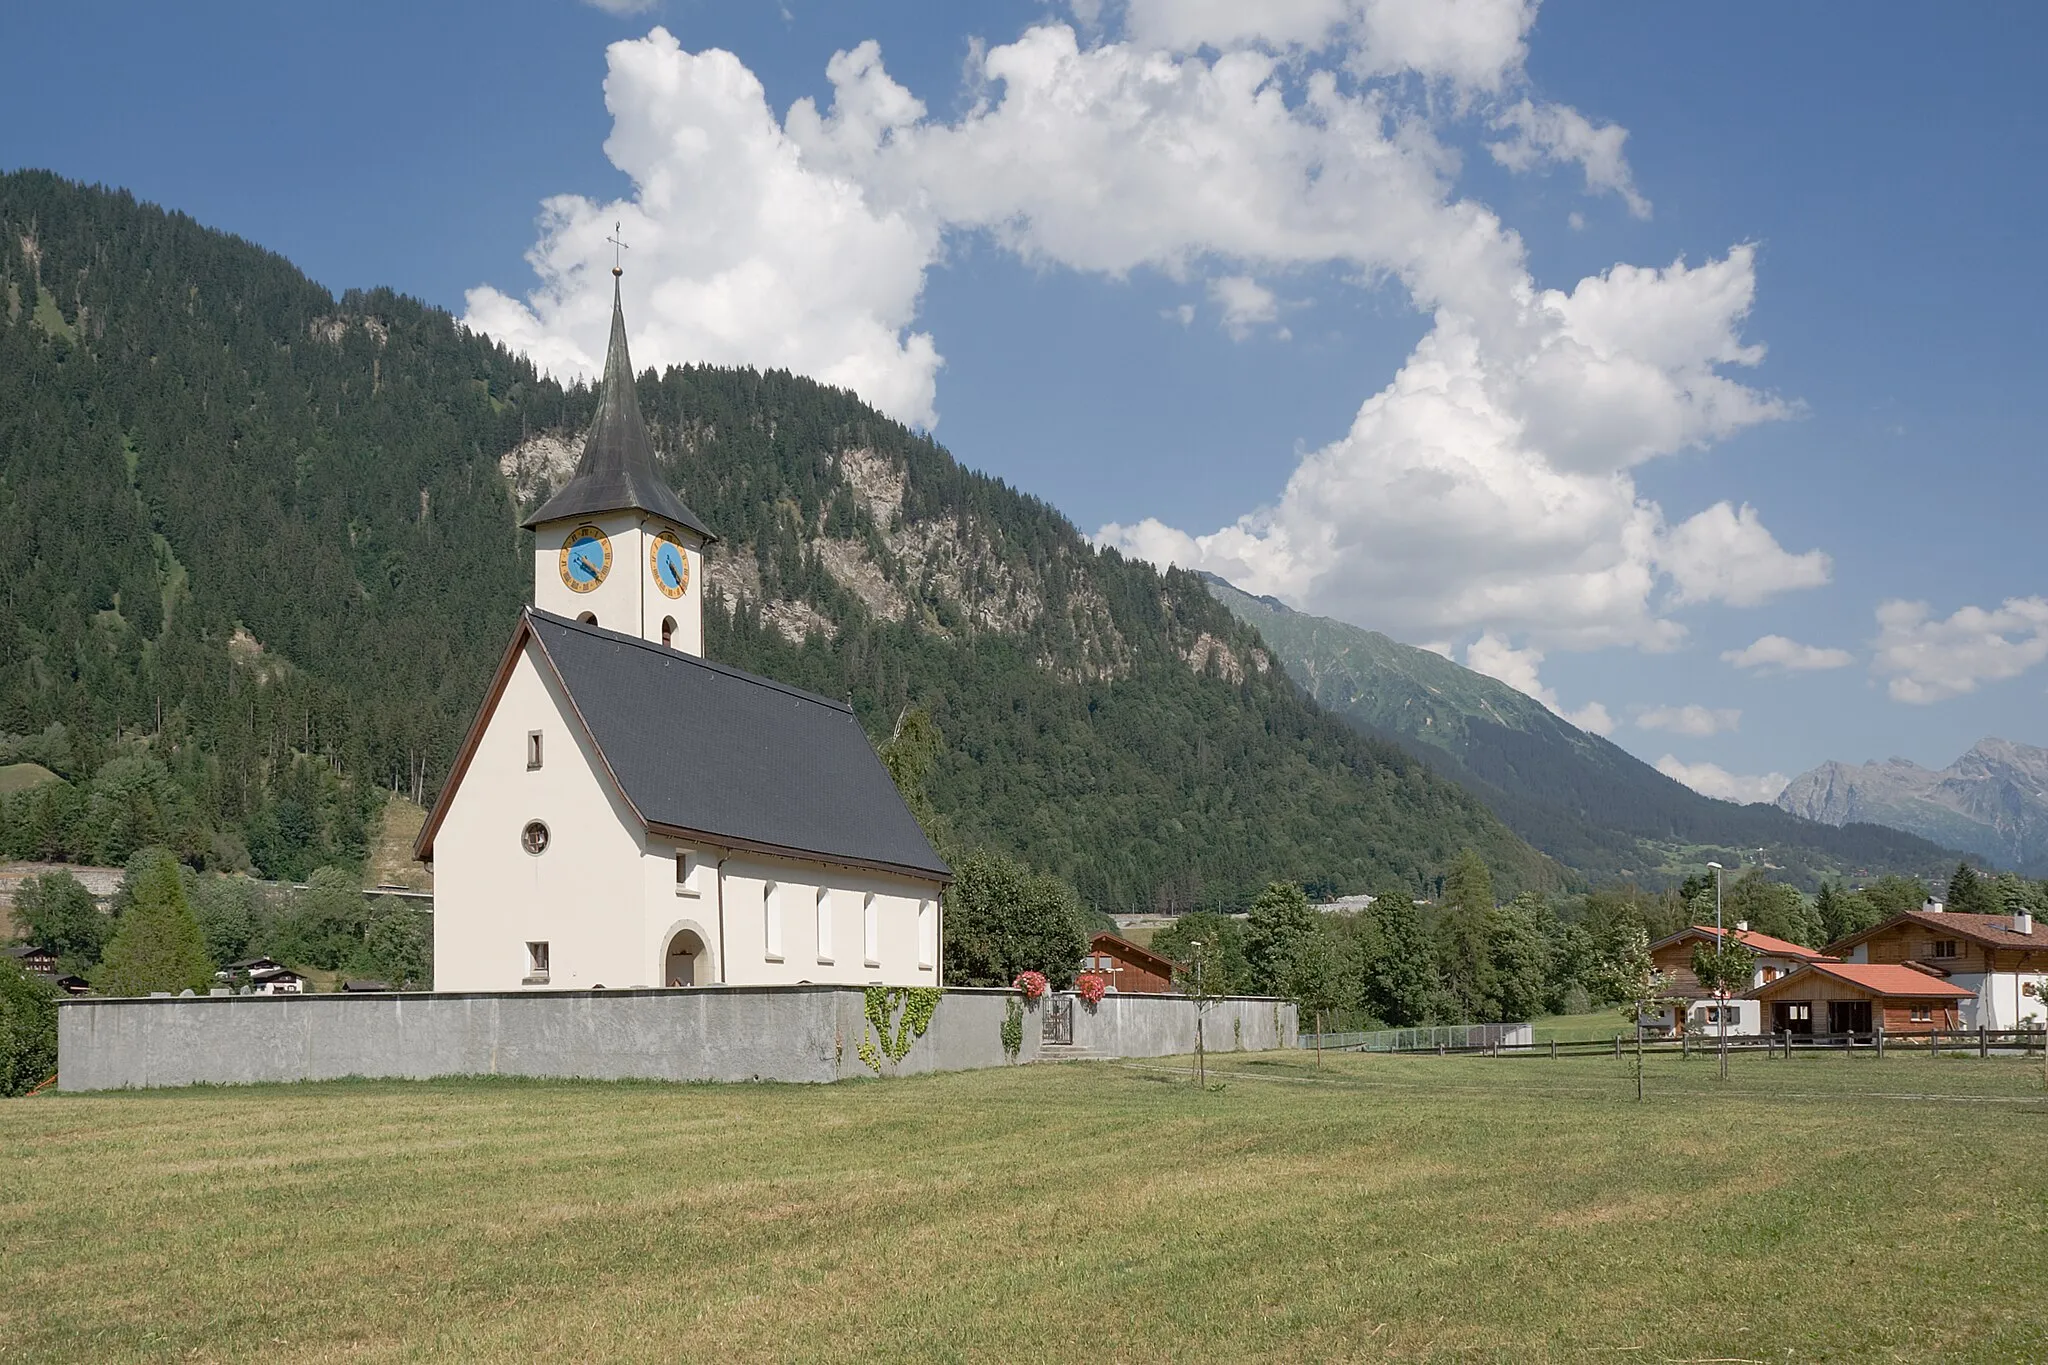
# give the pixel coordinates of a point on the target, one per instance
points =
(28, 1031)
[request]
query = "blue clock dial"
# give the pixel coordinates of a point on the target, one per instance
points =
(670, 564)
(586, 558)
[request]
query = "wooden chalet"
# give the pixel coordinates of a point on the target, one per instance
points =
(2001, 960)
(1128, 968)
(30, 958)
(1826, 996)
(1775, 958)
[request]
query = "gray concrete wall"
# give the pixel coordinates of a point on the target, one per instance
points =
(736, 1033)
(713, 1033)
(1164, 1025)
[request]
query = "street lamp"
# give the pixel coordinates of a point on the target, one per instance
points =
(1720, 987)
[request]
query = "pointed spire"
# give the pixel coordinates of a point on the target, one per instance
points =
(616, 473)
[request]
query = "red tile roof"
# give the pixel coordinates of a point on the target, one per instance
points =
(1752, 940)
(1879, 978)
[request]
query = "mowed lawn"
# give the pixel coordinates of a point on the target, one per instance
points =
(1380, 1208)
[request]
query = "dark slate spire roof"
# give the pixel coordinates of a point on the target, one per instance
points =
(616, 473)
(702, 749)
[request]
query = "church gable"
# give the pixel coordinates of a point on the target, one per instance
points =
(705, 753)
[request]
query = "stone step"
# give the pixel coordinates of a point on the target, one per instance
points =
(1067, 1052)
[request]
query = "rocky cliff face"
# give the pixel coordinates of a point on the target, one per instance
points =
(1993, 801)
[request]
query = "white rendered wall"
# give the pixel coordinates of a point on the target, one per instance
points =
(628, 600)
(583, 896)
(897, 900)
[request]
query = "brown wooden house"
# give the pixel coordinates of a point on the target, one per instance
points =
(1858, 997)
(1127, 967)
(1775, 957)
(2002, 960)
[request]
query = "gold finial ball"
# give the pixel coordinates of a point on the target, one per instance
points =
(616, 272)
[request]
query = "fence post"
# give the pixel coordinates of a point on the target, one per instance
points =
(1553, 1049)
(1684, 1046)
(1880, 1038)
(1983, 1042)
(1617, 1047)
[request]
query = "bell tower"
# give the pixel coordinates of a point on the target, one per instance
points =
(615, 545)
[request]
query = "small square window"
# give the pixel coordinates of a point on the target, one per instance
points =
(532, 750)
(536, 963)
(1945, 947)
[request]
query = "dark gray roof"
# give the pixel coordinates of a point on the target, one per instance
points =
(616, 473)
(704, 748)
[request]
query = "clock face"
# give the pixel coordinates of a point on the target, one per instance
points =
(670, 565)
(586, 558)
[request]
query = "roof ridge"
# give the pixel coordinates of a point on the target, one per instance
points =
(669, 652)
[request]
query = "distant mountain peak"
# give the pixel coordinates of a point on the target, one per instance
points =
(1992, 801)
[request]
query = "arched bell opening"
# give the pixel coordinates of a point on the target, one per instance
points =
(588, 618)
(668, 632)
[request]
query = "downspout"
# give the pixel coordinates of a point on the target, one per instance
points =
(724, 977)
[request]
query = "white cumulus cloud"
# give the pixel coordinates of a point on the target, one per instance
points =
(1691, 719)
(1247, 305)
(1551, 133)
(1930, 659)
(1724, 554)
(1779, 653)
(741, 252)
(1711, 779)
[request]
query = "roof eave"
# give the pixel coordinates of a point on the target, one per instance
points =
(940, 876)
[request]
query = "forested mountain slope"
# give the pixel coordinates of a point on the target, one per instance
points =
(262, 552)
(1583, 800)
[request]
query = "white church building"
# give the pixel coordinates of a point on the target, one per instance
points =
(627, 813)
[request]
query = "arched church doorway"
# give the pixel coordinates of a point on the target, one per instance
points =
(685, 960)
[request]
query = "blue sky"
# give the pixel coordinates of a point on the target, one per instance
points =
(1118, 280)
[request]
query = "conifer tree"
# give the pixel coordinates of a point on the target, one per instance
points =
(1967, 894)
(158, 946)
(1461, 932)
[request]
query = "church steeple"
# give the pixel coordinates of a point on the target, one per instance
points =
(616, 473)
(615, 547)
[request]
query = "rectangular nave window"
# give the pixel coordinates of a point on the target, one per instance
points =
(824, 925)
(771, 916)
(870, 931)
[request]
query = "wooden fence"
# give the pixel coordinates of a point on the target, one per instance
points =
(1936, 1043)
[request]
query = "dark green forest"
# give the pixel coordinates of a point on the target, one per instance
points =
(261, 557)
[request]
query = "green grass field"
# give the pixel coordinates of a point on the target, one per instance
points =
(1824, 1207)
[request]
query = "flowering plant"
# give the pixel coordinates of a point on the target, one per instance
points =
(1091, 987)
(1033, 984)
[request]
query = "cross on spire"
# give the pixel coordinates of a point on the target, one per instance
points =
(618, 245)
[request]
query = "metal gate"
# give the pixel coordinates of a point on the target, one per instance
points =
(1057, 1024)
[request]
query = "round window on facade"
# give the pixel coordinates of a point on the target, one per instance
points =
(534, 838)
